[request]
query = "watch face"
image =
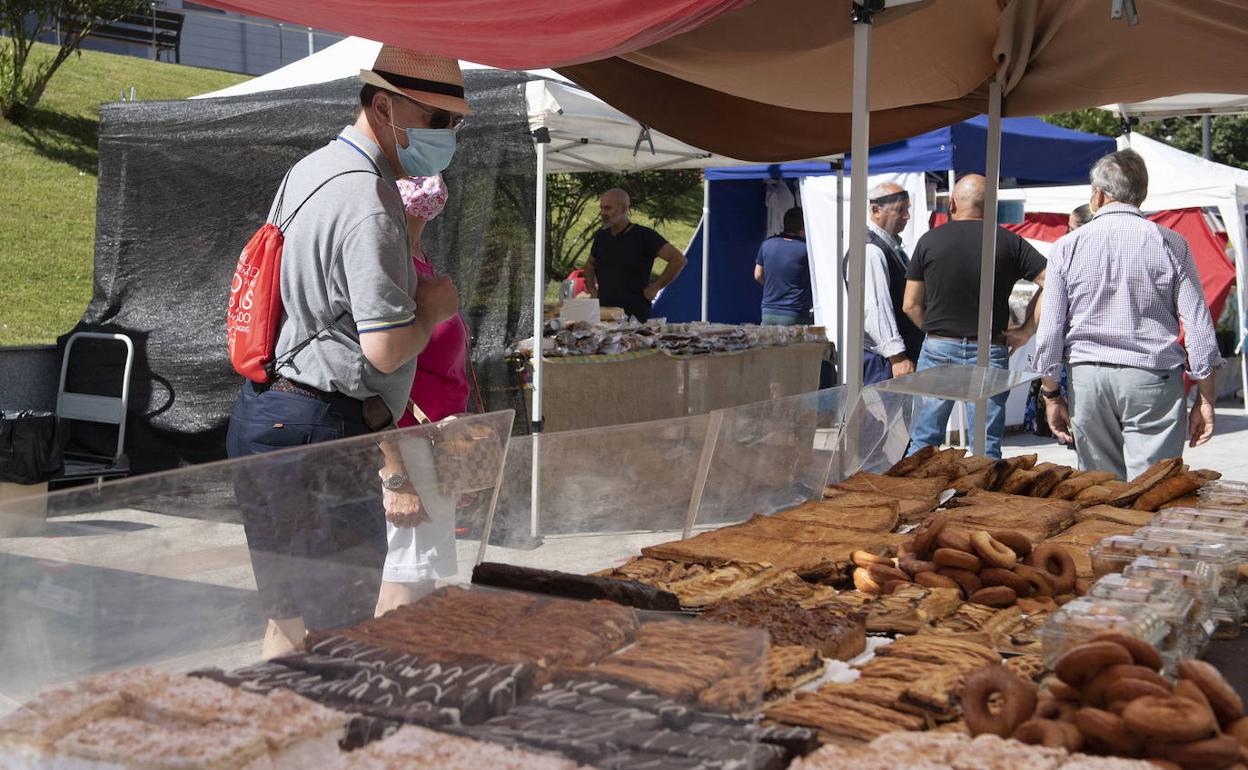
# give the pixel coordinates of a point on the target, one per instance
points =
(394, 481)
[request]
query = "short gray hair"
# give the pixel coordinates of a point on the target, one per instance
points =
(1122, 176)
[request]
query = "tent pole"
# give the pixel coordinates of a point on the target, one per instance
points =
(541, 138)
(706, 246)
(839, 320)
(988, 253)
(859, 141)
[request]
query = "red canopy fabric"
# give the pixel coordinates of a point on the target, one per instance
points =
(509, 34)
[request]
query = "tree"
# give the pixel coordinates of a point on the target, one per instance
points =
(572, 199)
(23, 80)
(1229, 132)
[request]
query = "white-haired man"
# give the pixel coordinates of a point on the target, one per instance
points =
(622, 258)
(1117, 290)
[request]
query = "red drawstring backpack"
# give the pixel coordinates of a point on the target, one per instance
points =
(253, 316)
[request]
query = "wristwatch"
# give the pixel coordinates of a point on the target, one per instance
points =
(394, 481)
(1051, 393)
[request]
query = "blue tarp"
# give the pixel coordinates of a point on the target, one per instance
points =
(1032, 151)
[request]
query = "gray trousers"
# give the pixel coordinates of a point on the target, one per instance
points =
(1125, 419)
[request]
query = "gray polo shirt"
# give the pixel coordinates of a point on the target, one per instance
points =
(346, 250)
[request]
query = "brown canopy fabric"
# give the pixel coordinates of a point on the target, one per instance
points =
(772, 80)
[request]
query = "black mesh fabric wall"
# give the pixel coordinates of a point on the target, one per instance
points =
(183, 185)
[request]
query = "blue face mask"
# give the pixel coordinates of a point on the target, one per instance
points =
(428, 152)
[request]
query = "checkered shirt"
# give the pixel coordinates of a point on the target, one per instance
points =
(1115, 292)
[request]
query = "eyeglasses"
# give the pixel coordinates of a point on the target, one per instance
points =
(438, 118)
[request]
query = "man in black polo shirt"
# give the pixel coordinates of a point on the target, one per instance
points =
(622, 256)
(942, 298)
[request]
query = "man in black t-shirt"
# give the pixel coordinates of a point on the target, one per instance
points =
(942, 298)
(622, 257)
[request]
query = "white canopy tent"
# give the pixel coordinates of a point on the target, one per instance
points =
(1182, 104)
(1176, 180)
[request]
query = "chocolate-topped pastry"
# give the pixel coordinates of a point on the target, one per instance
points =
(834, 633)
(673, 714)
(626, 592)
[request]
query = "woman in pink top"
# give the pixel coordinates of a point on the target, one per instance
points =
(441, 385)
(418, 554)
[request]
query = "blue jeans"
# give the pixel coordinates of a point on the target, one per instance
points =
(931, 415)
(777, 319)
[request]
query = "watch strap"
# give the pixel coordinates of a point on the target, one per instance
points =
(1051, 393)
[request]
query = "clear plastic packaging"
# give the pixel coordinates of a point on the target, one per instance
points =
(1200, 579)
(1233, 584)
(1175, 605)
(1079, 620)
(1115, 552)
(1202, 518)
(1231, 494)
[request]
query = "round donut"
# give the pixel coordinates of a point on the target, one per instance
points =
(969, 581)
(866, 559)
(1048, 707)
(1172, 719)
(1055, 560)
(1041, 583)
(1017, 542)
(912, 565)
(1096, 689)
(925, 536)
(1061, 599)
(1018, 701)
(1074, 736)
(1226, 703)
(1130, 689)
(1108, 731)
(993, 551)
(994, 596)
(1041, 732)
(949, 538)
(955, 559)
(995, 576)
(882, 573)
(1239, 730)
(1142, 653)
(936, 580)
(864, 582)
(892, 586)
(1062, 691)
(1079, 664)
(1216, 752)
(1186, 688)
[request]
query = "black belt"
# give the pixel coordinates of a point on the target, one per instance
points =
(373, 410)
(283, 385)
(996, 339)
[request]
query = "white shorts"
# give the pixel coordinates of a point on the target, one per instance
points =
(427, 551)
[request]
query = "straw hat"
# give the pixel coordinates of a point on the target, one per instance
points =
(432, 80)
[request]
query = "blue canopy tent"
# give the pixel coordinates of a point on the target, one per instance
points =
(1032, 152)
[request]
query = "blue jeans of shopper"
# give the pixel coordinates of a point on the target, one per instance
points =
(315, 529)
(777, 319)
(932, 414)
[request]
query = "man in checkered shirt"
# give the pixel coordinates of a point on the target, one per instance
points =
(1116, 292)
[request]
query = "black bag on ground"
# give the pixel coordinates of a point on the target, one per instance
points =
(30, 450)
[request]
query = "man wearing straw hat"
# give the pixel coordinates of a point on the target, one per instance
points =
(355, 318)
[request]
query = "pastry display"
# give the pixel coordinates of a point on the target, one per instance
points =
(922, 493)
(834, 513)
(835, 634)
(695, 585)
(415, 748)
(626, 592)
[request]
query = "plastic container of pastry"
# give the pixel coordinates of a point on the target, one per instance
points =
(1115, 552)
(1232, 582)
(1224, 492)
(1079, 620)
(1202, 518)
(1199, 579)
(1176, 606)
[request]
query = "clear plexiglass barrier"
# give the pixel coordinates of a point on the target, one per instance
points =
(157, 569)
(958, 382)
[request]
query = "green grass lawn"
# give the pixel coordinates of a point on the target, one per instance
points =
(47, 199)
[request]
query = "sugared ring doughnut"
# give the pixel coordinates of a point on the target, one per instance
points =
(882, 573)
(924, 541)
(1219, 751)
(993, 551)
(1017, 542)
(1055, 560)
(994, 596)
(1239, 730)
(912, 565)
(1082, 662)
(1041, 583)
(995, 576)
(1041, 732)
(1096, 689)
(1130, 689)
(955, 559)
(969, 581)
(951, 538)
(1107, 731)
(1018, 701)
(1142, 653)
(1226, 703)
(866, 559)
(935, 580)
(1172, 719)
(864, 582)
(892, 586)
